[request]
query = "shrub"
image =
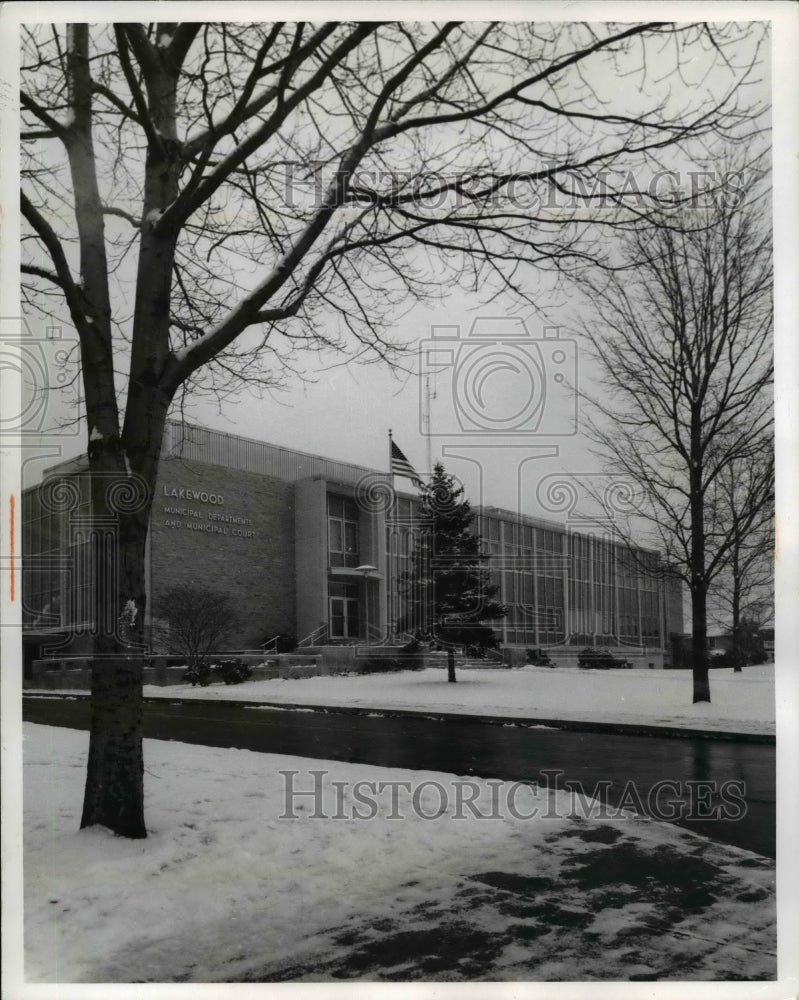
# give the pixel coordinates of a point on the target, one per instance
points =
(232, 671)
(729, 658)
(194, 621)
(389, 664)
(198, 674)
(600, 659)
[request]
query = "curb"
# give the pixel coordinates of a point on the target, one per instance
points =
(570, 725)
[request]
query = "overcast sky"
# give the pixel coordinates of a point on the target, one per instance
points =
(346, 410)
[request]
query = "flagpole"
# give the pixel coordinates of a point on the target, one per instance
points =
(390, 456)
(428, 407)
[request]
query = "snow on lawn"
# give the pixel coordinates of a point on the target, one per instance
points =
(742, 702)
(224, 890)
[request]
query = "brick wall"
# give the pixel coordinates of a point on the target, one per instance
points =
(231, 531)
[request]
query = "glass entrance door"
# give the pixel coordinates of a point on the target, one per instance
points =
(344, 618)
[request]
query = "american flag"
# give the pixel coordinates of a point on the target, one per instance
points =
(400, 466)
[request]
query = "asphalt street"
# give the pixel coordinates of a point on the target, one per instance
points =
(605, 763)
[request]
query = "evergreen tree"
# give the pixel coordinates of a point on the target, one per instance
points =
(453, 596)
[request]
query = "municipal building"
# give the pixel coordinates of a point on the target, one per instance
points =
(316, 551)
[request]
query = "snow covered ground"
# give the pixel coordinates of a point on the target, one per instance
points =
(742, 702)
(225, 890)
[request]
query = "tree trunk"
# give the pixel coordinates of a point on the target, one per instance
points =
(736, 614)
(699, 645)
(698, 584)
(451, 665)
(114, 791)
(114, 795)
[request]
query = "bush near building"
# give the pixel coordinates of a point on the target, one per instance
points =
(233, 671)
(538, 658)
(591, 658)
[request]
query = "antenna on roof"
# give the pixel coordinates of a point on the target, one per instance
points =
(426, 420)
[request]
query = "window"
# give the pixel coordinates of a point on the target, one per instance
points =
(342, 531)
(41, 569)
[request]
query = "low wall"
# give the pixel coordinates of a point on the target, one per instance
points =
(514, 656)
(567, 656)
(75, 673)
(365, 659)
(54, 680)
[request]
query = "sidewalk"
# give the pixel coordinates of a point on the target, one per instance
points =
(609, 907)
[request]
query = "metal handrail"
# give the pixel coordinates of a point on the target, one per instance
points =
(314, 637)
(265, 646)
(374, 632)
(402, 638)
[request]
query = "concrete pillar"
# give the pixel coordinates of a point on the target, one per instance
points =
(310, 525)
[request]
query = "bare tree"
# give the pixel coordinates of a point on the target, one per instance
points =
(197, 620)
(743, 591)
(684, 340)
(278, 187)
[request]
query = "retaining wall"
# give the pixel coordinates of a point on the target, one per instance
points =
(75, 672)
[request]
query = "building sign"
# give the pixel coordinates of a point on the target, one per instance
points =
(211, 522)
(181, 493)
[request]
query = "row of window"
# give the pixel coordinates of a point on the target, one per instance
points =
(48, 575)
(600, 601)
(535, 581)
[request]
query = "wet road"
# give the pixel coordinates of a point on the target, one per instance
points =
(511, 752)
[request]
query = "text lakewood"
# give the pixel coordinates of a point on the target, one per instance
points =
(181, 493)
